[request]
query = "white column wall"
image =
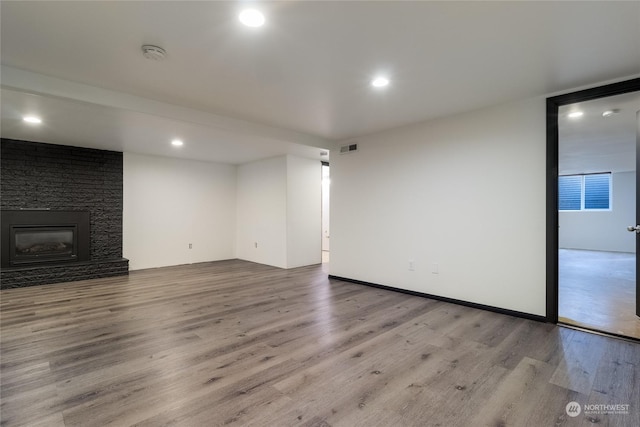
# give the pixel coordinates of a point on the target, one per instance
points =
(262, 212)
(304, 212)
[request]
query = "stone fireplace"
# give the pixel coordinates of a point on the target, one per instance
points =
(61, 217)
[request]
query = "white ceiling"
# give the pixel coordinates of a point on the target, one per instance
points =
(300, 81)
(593, 143)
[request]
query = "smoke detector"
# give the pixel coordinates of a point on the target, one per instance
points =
(154, 53)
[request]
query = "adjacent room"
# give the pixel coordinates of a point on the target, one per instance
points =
(311, 213)
(597, 202)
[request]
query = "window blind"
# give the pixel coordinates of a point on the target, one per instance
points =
(569, 192)
(584, 192)
(596, 191)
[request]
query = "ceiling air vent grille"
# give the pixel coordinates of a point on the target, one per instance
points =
(345, 149)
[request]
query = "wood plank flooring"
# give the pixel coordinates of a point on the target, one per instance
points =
(234, 343)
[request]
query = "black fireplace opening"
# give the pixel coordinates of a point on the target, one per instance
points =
(43, 243)
(31, 237)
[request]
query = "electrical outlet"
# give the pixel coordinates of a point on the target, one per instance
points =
(190, 245)
(434, 269)
(412, 265)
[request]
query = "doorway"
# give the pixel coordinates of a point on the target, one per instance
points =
(592, 199)
(326, 188)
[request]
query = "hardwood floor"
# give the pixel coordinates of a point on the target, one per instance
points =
(240, 344)
(597, 290)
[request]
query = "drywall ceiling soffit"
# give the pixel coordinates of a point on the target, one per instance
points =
(82, 115)
(80, 123)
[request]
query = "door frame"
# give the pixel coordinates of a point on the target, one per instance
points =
(553, 105)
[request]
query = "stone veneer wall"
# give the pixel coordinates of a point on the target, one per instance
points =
(58, 177)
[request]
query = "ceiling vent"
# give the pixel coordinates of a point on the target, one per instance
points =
(350, 148)
(154, 53)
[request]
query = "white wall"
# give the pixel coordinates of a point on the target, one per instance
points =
(605, 230)
(222, 210)
(465, 192)
(304, 212)
(169, 203)
(262, 212)
(279, 208)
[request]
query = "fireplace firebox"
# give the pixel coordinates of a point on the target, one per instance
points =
(34, 237)
(43, 244)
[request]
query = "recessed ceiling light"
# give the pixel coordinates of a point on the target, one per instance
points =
(32, 119)
(380, 82)
(177, 143)
(251, 18)
(610, 112)
(575, 114)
